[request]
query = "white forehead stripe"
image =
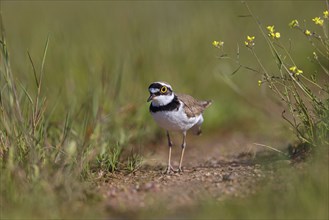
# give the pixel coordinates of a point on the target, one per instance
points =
(165, 84)
(154, 90)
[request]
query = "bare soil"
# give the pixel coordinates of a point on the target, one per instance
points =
(214, 167)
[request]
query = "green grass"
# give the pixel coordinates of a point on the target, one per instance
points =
(74, 78)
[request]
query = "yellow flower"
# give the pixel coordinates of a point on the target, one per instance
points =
(315, 55)
(218, 44)
(295, 70)
(272, 33)
(318, 21)
(307, 32)
(294, 23)
(250, 41)
(326, 14)
(260, 82)
(215, 43)
(270, 28)
(299, 72)
(250, 38)
(277, 35)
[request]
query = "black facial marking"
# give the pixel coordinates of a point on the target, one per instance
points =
(159, 86)
(171, 106)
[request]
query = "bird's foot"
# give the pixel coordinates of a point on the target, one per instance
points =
(179, 170)
(169, 170)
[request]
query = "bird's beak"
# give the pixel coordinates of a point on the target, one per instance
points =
(151, 97)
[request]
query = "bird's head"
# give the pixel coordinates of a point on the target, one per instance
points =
(161, 93)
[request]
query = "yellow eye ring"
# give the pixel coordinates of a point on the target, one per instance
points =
(163, 89)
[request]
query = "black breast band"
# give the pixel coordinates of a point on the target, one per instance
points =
(172, 106)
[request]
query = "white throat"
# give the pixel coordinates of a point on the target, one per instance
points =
(162, 100)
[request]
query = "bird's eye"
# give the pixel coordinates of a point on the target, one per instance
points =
(163, 89)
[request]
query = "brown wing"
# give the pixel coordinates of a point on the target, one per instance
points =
(192, 106)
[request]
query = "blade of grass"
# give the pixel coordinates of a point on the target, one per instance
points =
(44, 59)
(33, 68)
(269, 147)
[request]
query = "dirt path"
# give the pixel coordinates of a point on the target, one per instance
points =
(224, 167)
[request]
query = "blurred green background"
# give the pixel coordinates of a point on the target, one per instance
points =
(134, 43)
(103, 55)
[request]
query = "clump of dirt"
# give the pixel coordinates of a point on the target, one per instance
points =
(214, 179)
(299, 152)
(222, 168)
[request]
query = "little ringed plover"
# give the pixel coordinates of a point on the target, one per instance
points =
(175, 112)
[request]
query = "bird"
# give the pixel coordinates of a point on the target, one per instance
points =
(175, 113)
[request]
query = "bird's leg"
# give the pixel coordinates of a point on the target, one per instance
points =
(182, 155)
(169, 168)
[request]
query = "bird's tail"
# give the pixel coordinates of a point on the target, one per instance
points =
(206, 104)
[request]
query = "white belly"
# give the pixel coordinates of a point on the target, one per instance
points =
(175, 120)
